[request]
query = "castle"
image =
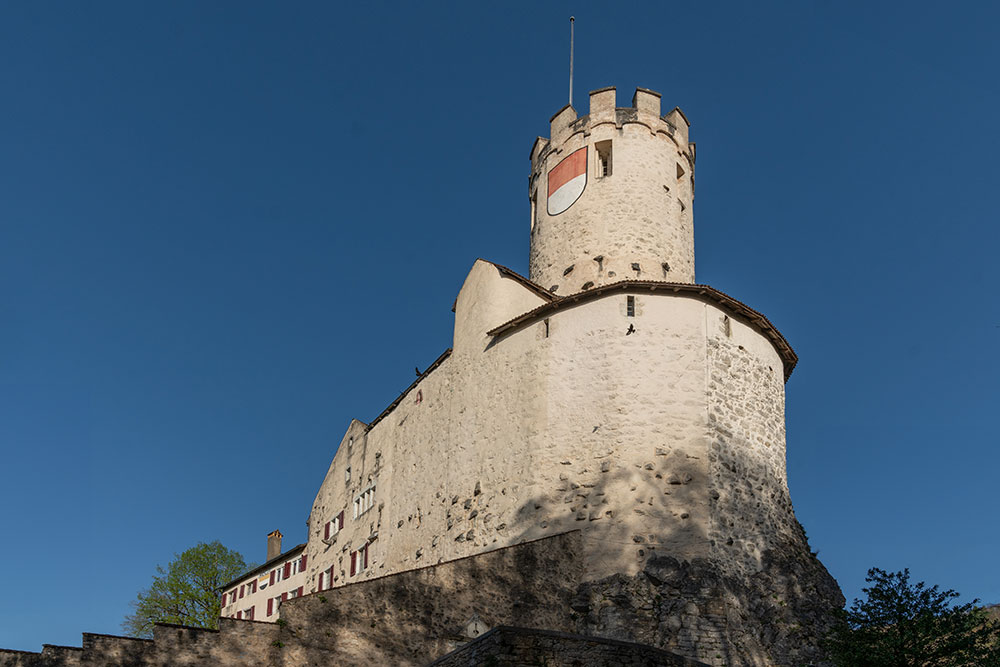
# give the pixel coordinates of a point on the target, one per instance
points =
(601, 451)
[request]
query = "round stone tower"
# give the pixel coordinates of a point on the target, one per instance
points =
(611, 196)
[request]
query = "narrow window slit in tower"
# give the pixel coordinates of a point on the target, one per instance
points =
(569, 270)
(680, 171)
(603, 150)
(600, 262)
(546, 323)
(630, 306)
(666, 268)
(681, 202)
(534, 213)
(727, 326)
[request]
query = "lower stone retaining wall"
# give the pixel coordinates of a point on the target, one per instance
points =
(510, 647)
(774, 618)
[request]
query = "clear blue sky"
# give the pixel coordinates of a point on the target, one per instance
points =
(228, 228)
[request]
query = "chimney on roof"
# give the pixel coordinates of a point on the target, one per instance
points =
(273, 544)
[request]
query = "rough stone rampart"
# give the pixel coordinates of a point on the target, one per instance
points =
(509, 646)
(691, 608)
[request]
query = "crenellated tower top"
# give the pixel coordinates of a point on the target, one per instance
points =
(612, 196)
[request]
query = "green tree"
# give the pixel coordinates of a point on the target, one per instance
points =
(187, 592)
(906, 625)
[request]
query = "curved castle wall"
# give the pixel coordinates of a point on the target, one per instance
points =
(667, 440)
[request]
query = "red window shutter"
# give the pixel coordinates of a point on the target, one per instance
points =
(329, 579)
(251, 611)
(284, 596)
(366, 557)
(305, 557)
(300, 591)
(239, 614)
(223, 599)
(288, 569)
(253, 586)
(354, 562)
(326, 531)
(340, 520)
(270, 606)
(241, 591)
(272, 577)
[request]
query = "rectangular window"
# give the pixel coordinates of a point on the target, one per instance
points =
(288, 570)
(603, 151)
(364, 501)
(347, 474)
(630, 306)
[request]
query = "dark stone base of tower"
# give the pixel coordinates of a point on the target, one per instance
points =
(678, 613)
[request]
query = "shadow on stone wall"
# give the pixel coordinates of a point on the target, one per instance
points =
(692, 606)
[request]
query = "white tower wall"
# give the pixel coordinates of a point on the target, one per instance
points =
(633, 219)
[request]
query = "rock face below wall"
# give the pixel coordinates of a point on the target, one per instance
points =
(515, 647)
(412, 618)
(776, 617)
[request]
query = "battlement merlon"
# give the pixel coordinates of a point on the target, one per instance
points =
(645, 110)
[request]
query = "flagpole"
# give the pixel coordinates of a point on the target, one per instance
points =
(571, 19)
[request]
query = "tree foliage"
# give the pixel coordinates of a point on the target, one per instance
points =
(187, 592)
(906, 625)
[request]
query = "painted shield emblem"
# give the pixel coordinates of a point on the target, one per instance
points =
(567, 181)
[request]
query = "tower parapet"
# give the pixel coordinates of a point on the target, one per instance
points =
(612, 196)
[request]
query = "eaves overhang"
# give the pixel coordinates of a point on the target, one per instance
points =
(727, 303)
(260, 568)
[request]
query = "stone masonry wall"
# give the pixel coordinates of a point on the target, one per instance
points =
(690, 608)
(636, 222)
(507, 646)
(409, 618)
(656, 433)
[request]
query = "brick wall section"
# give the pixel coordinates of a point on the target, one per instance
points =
(521, 646)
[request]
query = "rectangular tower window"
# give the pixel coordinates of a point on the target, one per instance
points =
(630, 306)
(603, 150)
(347, 474)
(534, 212)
